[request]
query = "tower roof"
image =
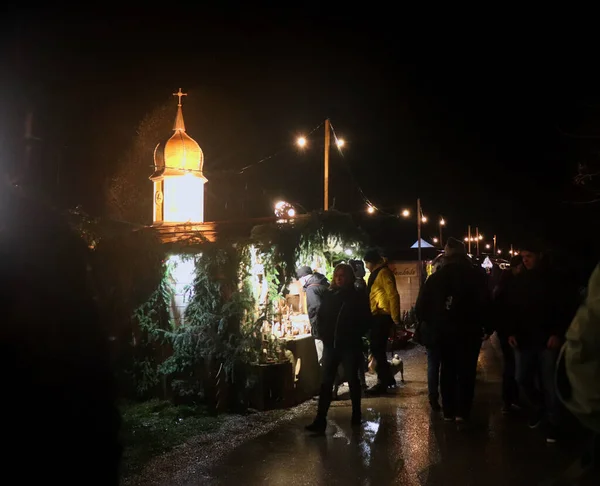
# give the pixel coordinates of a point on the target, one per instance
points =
(180, 153)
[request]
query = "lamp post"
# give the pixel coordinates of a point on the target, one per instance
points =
(326, 162)
(494, 244)
(302, 142)
(420, 219)
(442, 224)
(469, 238)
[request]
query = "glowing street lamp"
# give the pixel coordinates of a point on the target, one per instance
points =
(435, 240)
(301, 142)
(442, 224)
(370, 209)
(340, 142)
(406, 213)
(284, 210)
(487, 246)
(424, 219)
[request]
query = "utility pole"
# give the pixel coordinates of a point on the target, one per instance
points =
(469, 239)
(477, 236)
(326, 160)
(442, 223)
(419, 220)
(494, 244)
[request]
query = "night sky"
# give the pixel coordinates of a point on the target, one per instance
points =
(481, 132)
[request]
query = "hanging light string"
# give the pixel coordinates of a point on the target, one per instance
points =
(348, 167)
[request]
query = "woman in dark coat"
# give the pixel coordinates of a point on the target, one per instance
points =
(343, 320)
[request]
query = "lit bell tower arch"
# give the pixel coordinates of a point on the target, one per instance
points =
(178, 178)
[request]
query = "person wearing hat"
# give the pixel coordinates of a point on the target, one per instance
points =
(315, 285)
(385, 308)
(451, 305)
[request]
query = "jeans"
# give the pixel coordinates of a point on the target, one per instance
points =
(539, 363)
(433, 373)
(510, 389)
(380, 333)
(459, 370)
(350, 359)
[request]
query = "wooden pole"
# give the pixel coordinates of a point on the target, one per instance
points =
(326, 160)
(469, 239)
(419, 220)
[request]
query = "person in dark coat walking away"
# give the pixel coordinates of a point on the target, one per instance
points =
(344, 319)
(315, 285)
(502, 296)
(453, 303)
(434, 360)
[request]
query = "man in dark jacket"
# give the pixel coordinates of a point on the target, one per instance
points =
(452, 305)
(502, 296)
(344, 319)
(315, 285)
(539, 318)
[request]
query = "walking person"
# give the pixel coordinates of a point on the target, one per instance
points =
(385, 308)
(538, 324)
(344, 319)
(502, 296)
(453, 303)
(425, 336)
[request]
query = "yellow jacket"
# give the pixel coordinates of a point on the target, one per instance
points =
(384, 296)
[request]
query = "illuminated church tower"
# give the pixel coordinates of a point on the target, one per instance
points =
(178, 178)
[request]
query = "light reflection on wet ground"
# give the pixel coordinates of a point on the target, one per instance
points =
(400, 442)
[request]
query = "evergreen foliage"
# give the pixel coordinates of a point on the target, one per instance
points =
(222, 322)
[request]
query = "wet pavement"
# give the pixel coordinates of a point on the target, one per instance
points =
(400, 442)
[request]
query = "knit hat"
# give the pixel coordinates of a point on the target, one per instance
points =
(372, 256)
(454, 247)
(304, 271)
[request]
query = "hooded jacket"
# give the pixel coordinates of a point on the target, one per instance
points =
(315, 287)
(579, 363)
(383, 294)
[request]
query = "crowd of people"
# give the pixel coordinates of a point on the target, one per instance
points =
(548, 332)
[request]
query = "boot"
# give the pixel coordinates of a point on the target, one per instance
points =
(318, 426)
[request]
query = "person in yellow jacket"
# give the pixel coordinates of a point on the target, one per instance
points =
(385, 308)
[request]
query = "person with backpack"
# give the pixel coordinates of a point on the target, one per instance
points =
(451, 307)
(385, 308)
(577, 380)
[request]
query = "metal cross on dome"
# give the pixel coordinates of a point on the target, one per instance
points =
(180, 94)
